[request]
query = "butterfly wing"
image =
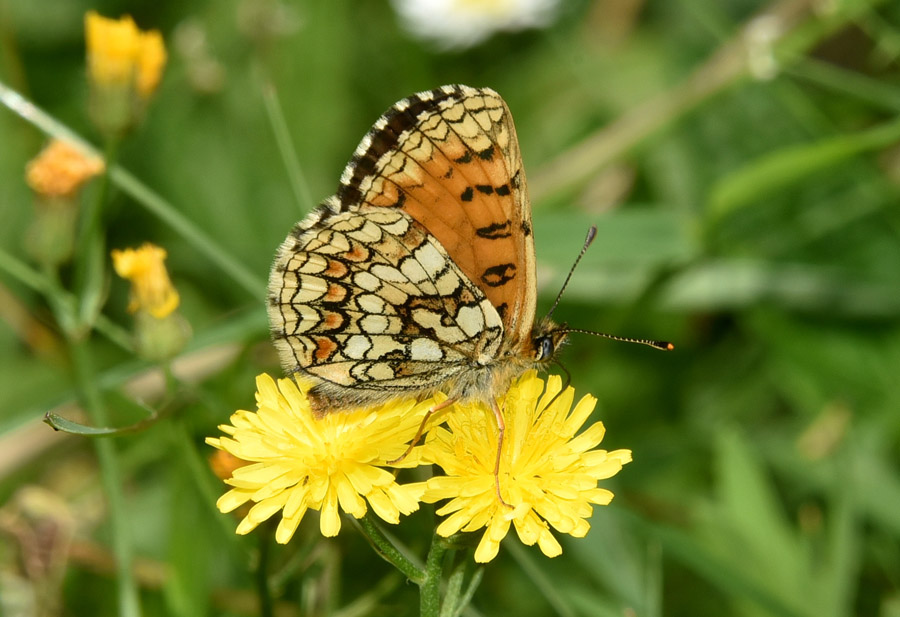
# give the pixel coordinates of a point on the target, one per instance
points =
(450, 159)
(420, 269)
(370, 306)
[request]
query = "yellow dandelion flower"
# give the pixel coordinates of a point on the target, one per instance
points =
(120, 54)
(298, 462)
(548, 474)
(151, 289)
(61, 169)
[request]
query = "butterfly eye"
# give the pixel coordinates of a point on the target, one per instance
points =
(545, 347)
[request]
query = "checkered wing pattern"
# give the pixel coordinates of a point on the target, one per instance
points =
(421, 268)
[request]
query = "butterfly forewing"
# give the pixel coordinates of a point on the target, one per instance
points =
(421, 266)
(450, 159)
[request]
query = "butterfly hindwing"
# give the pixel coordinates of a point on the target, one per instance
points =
(371, 301)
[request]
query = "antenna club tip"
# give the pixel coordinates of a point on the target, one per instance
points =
(666, 346)
(592, 233)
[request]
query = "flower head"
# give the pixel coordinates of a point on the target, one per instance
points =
(463, 23)
(56, 176)
(120, 54)
(160, 331)
(299, 462)
(548, 474)
(61, 169)
(151, 289)
(125, 65)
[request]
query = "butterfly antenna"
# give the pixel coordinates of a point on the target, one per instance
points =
(663, 345)
(592, 233)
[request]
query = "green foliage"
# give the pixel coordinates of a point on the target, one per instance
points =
(751, 219)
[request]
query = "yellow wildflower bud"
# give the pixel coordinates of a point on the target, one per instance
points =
(151, 289)
(151, 61)
(125, 65)
(60, 170)
(224, 464)
(112, 48)
(56, 175)
(160, 332)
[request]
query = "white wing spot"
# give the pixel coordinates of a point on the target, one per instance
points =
(447, 283)
(380, 371)
(398, 227)
(491, 316)
(369, 233)
(374, 324)
(384, 344)
(425, 350)
(313, 264)
(367, 281)
(431, 259)
(395, 296)
(370, 303)
(414, 271)
(387, 273)
(471, 320)
(357, 346)
(309, 318)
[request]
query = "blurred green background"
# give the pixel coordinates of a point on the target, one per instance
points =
(742, 162)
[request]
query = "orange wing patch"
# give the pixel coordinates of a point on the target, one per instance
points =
(452, 163)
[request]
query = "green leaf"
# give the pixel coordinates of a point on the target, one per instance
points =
(755, 531)
(59, 423)
(733, 284)
(630, 248)
(781, 169)
(620, 563)
(721, 573)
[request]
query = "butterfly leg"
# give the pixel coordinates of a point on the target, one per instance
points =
(421, 430)
(501, 430)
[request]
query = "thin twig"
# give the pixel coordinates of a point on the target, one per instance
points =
(725, 67)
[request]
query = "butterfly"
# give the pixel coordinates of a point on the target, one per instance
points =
(418, 275)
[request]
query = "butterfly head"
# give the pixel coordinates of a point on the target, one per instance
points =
(546, 339)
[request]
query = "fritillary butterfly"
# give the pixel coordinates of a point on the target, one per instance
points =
(418, 276)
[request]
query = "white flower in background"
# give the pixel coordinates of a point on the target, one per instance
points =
(464, 23)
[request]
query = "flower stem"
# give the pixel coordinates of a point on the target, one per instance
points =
(61, 301)
(90, 253)
(111, 477)
(195, 235)
(262, 576)
(282, 134)
(384, 547)
(430, 588)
